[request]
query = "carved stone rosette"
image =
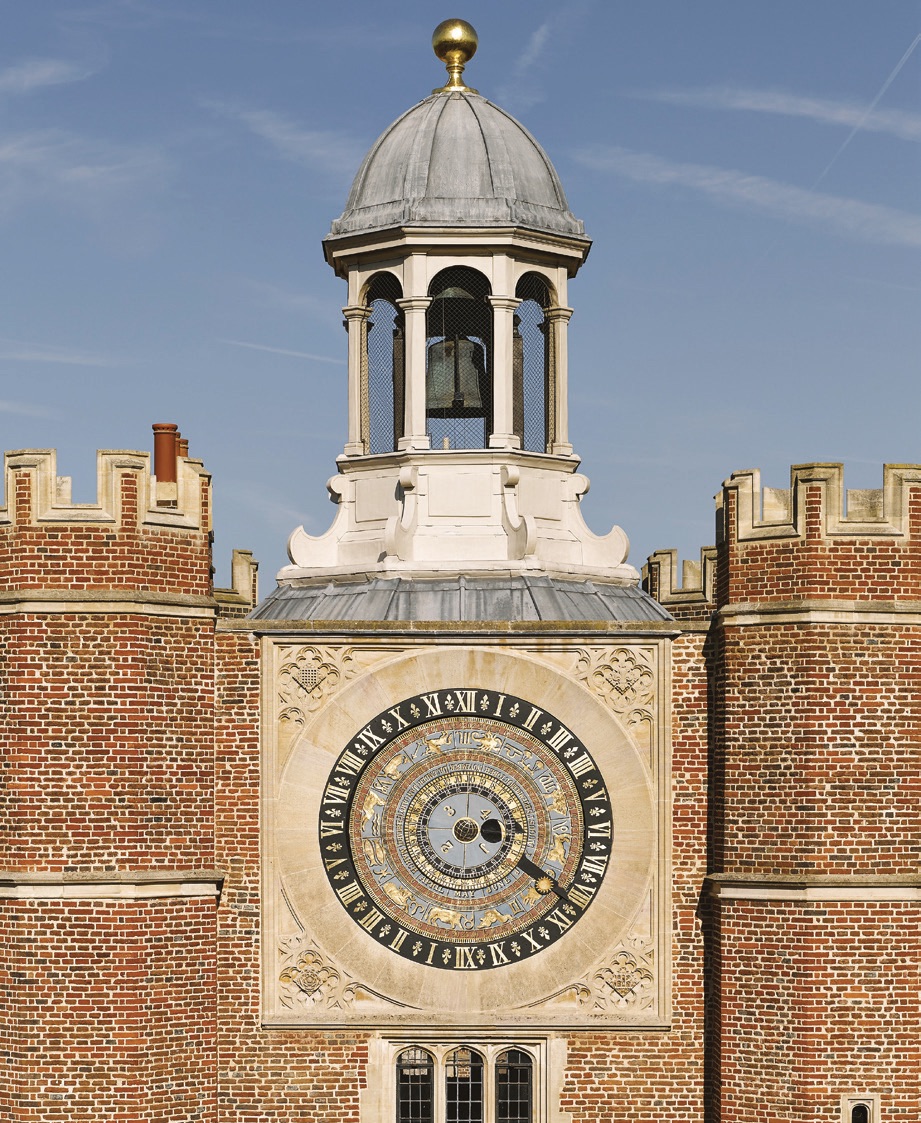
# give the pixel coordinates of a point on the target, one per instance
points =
(311, 981)
(625, 679)
(627, 981)
(307, 676)
(306, 976)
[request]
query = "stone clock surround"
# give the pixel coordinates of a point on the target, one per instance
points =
(609, 970)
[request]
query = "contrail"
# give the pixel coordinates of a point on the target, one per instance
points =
(873, 104)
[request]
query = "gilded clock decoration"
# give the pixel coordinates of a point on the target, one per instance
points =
(465, 829)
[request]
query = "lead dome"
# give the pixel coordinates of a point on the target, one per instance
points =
(455, 159)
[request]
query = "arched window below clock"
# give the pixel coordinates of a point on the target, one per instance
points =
(860, 1108)
(514, 1087)
(415, 1086)
(461, 1084)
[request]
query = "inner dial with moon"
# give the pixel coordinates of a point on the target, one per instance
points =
(465, 829)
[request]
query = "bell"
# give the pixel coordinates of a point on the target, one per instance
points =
(454, 372)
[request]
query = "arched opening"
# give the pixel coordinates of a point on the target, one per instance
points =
(458, 360)
(385, 365)
(415, 1086)
(514, 1087)
(532, 382)
(463, 1086)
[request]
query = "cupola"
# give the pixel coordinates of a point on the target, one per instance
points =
(457, 245)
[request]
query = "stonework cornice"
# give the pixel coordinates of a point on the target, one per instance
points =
(814, 887)
(105, 885)
(142, 603)
(816, 611)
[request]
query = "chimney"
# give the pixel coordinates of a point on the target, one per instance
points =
(166, 450)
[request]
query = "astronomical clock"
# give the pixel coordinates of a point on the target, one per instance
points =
(471, 834)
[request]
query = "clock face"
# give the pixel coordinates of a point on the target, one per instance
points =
(465, 829)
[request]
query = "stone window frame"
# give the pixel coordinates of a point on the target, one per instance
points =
(379, 1098)
(850, 1100)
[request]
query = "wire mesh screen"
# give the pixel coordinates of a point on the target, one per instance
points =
(458, 366)
(513, 1087)
(415, 1087)
(531, 373)
(464, 1087)
(384, 351)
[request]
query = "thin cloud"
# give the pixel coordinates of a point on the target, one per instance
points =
(76, 171)
(534, 48)
(282, 351)
(277, 297)
(36, 74)
(329, 151)
(270, 508)
(868, 222)
(848, 114)
(518, 92)
(23, 409)
(12, 350)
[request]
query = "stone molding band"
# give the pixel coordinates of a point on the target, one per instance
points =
(815, 887)
(128, 886)
(821, 612)
(57, 601)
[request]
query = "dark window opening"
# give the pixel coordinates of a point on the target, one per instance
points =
(415, 1087)
(458, 360)
(513, 1087)
(385, 365)
(532, 374)
(464, 1087)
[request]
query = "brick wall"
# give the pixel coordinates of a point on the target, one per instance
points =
(111, 1011)
(818, 1000)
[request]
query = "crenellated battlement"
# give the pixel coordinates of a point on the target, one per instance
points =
(693, 594)
(813, 541)
(127, 493)
(243, 594)
(142, 533)
(817, 505)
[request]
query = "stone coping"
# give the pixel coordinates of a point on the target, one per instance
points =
(815, 887)
(442, 628)
(109, 884)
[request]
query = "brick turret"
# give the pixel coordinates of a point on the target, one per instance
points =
(814, 781)
(108, 892)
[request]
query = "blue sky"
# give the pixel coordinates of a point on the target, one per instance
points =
(750, 174)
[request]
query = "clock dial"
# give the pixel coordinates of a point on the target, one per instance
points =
(465, 829)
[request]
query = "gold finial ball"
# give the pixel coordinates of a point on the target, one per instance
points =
(454, 40)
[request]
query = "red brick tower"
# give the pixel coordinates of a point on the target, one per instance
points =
(814, 810)
(108, 896)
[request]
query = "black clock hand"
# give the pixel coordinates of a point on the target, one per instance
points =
(533, 870)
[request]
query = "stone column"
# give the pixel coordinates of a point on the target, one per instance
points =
(356, 322)
(557, 320)
(414, 434)
(503, 361)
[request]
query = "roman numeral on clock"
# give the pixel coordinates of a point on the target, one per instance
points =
(349, 893)
(371, 919)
